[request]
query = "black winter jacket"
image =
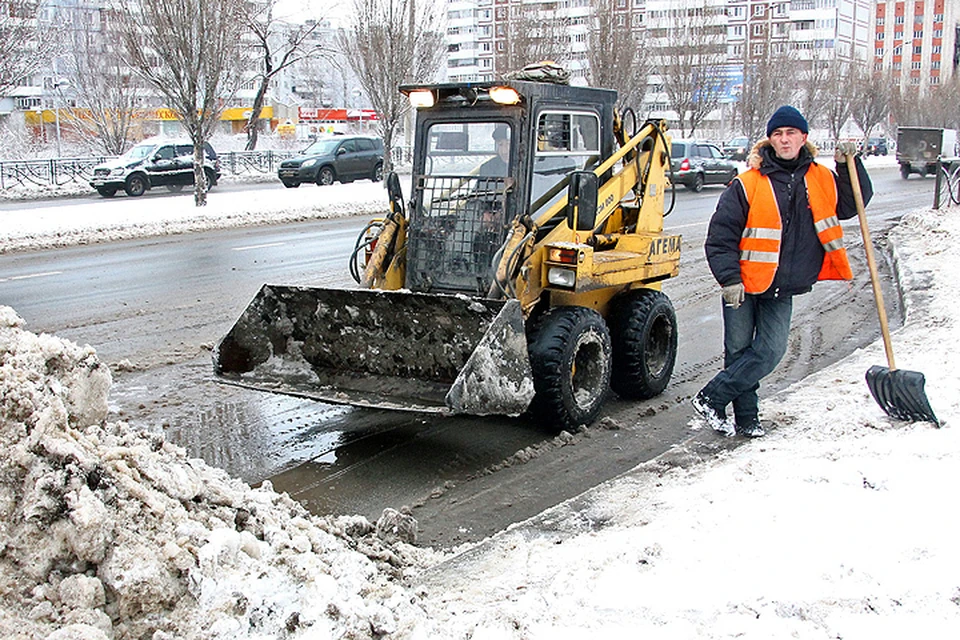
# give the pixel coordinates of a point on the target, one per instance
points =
(801, 254)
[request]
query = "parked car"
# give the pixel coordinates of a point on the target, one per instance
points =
(335, 158)
(152, 163)
(695, 163)
(737, 148)
(876, 147)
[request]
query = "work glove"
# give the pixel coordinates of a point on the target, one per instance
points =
(733, 295)
(843, 150)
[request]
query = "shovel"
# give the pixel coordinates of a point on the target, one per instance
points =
(900, 393)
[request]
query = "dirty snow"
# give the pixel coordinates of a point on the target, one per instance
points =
(839, 524)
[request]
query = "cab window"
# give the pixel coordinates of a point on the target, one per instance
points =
(566, 141)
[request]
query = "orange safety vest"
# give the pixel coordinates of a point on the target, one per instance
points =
(760, 241)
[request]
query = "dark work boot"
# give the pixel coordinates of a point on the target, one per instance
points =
(713, 415)
(750, 428)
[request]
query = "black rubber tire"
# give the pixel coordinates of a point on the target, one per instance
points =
(290, 185)
(326, 176)
(377, 175)
(570, 355)
(697, 185)
(643, 331)
(175, 188)
(107, 192)
(211, 178)
(904, 171)
(733, 176)
(136, 185)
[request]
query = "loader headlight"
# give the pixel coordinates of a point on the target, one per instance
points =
(560, 277)
(421, 99)
(504, 95)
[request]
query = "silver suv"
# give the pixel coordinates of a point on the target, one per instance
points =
(696, 163)
(152, 163)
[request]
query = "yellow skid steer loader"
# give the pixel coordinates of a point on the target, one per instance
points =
(523, 274)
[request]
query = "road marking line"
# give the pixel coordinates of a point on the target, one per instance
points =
(32, 275)
(260, 246)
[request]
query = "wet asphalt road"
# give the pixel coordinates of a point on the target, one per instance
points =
(153, 309)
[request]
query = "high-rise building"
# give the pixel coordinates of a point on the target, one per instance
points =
(916, 41)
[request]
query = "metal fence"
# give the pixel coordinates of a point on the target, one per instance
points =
(58, 172)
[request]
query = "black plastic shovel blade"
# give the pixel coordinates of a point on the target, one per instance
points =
(900, 393)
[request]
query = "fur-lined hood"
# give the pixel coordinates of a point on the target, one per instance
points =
(754, 158)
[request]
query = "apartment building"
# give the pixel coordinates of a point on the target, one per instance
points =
(479, 31)
(916, 41)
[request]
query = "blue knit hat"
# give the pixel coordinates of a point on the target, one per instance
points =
(786, 116)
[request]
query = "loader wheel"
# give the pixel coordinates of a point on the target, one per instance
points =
(643, 330)
(570, 358)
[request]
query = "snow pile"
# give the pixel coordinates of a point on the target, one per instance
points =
(121, 218)
(838, 524)
(110, 533)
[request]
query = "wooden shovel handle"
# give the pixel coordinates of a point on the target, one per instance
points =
(871, 261)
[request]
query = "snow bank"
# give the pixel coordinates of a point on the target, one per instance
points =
(101, 220)
(110, 533)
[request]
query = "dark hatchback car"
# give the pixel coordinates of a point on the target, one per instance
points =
(695, 164)
(337, 158)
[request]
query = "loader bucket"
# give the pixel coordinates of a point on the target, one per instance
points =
(384, 349)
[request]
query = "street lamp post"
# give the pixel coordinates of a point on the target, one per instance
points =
(56, 108)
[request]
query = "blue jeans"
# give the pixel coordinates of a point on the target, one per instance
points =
(754, 341)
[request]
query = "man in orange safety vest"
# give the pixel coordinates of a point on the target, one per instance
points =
(775, 233)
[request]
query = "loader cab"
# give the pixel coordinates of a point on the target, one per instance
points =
(481, 161)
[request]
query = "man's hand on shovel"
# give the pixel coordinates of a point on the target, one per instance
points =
(843, 150)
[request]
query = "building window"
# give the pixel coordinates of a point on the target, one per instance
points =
(880, 21)
(879, 52)
(915, 65)
(918, 33)
(914, 80)
(880, 35)
(934, 64)
(758, 29)
(898, 20)
(938, 17)
(938, 33)
(758, 49)
(758, 9)
(898, 51)
(917, 50)
(934, 79)
(897, 66)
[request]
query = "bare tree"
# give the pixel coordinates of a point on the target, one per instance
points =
(392, 42)
(870, 97)
(188, 51)
(278, 45)
(533, 35)
(616, 56)
(905, 103)
(815, 90)
(691, 64)
(27, 42)
(941, 104)
(108, 94)
(764, 91)
(836, 110)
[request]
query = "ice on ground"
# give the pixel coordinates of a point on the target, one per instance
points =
(106, 532)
